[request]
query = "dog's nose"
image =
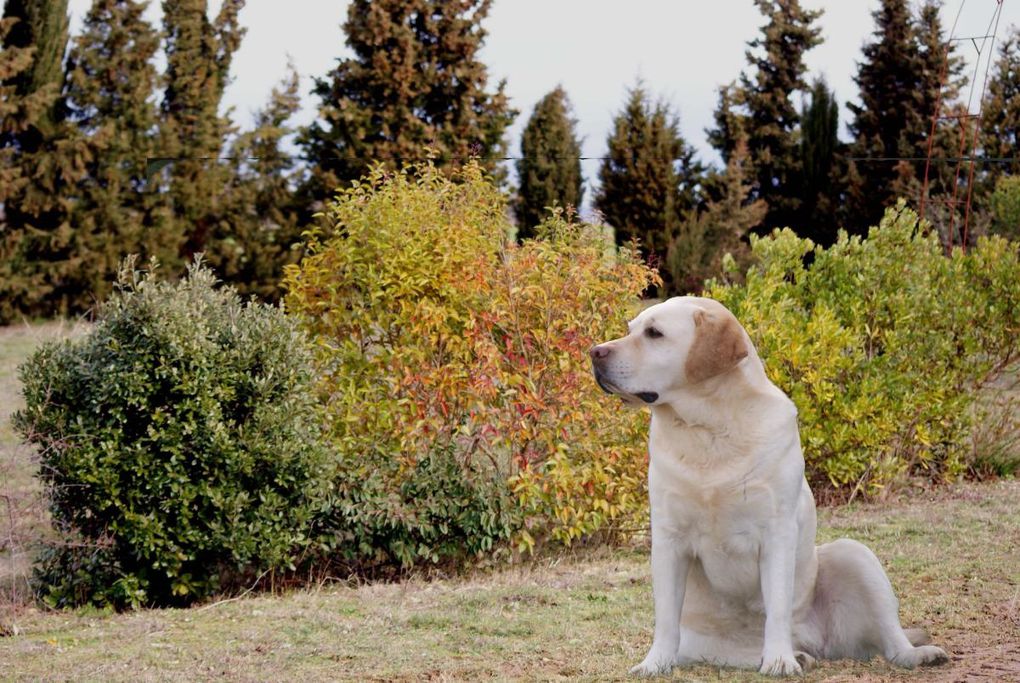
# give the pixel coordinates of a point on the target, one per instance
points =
(599, 352)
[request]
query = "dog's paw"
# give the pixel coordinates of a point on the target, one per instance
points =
(780, 665)
(925, 655)
(653, 664)
(806, 661)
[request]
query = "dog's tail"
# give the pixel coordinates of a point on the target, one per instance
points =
(917, 636)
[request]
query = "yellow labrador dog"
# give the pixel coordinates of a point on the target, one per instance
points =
(736, 577)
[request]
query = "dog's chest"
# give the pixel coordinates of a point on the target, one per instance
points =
(719, 518)
(729, 518)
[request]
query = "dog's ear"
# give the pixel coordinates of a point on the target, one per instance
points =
(719, 345)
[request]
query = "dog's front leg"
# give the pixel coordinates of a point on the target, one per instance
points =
(777, 566)
(669, 582)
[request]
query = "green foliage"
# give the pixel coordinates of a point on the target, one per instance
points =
(42, 26)
(730, 124)
(883, 343)
(649, 177)
(900, 77)
(711, 240)
(261, 223)
(17, 114)
(438, 334)
(1005, 205)
(103, 171)
(110, 82)
(414, 80)
(777, 57)
(178, 443)
(442, 508)
(192, 132)
(1000, 113)
(820, 152)
(549, 170)
(41, 159)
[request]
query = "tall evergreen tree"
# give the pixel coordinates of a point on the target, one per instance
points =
(730, 123)
(886, 123)
(43, 26)
(17, 112)
(705, 235)
(111, 85)
(262, 224)
(415, 81)
(940, 85)
(549, 170)
(771, 119)
(198, 55)
(1000, 130)
(899, 80)
(819, 153)
(38, 236)
(649, 176)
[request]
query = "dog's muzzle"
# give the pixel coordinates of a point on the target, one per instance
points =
(610, 388)
(603, 384)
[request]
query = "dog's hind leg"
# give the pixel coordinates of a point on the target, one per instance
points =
(858, 610)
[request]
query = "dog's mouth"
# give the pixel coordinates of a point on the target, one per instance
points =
(605, 385)
(610, 388)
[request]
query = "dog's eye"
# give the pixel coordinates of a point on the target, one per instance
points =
(652, 333)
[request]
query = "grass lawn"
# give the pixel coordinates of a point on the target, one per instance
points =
(23, 514)
(953, 556)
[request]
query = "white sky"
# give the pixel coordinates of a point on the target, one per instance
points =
(682, 49)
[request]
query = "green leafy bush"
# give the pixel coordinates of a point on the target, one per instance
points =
(440, 337)
(442, 509)
(1005, 204)
(179, 444)
(884, 344)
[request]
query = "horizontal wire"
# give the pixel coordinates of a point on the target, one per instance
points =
(170, 160)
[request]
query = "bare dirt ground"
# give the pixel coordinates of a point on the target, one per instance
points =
(953, 557)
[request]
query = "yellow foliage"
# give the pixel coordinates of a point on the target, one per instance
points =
(435, 329)
(883, 343)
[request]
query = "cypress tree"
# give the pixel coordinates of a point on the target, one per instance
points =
(549, 170)
(17, 112)
(706, 234)
(649, 176)
(415, 81)
(729, 122)
(885, 120)
(819, 151)
(198, 54)
(254, 240)
(110, 85)
(932, 93)
(1000, 130)
(38, 240)
(777, 60)
(43, 26)
(899, 79)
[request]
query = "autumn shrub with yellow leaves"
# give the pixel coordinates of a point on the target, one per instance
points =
(457, 388)
(886, 344)
(442, 342)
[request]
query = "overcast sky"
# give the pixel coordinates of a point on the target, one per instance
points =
(682, 49)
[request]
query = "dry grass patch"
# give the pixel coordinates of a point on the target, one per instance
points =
(23, 516)
(953, 559)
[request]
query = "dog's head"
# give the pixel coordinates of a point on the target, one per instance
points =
(670, 346)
